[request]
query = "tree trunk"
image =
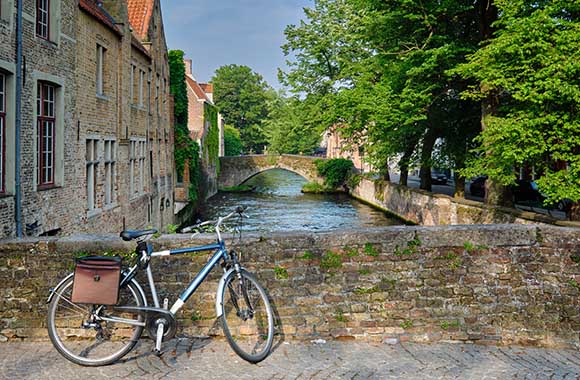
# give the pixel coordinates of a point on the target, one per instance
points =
(385, 175)
(426, 152)
(404, 166)
(459, 186)
(495, 194)
(574, 213)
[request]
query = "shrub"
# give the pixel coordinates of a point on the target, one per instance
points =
(335, 171)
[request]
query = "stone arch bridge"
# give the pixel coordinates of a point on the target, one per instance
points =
(236, 170)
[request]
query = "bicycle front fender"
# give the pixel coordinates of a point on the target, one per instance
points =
(220, 291)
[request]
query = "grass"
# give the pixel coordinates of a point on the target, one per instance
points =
(407, 324)
(314, 187)
(370, 250)
(331, 260)
(308, 255)
(340, 316)
(446, 325)
(350, 251)
(371, 290)
(412, 246)
(575, 284)
(364, 272)
(281, 273)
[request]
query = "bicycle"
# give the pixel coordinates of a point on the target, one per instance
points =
(96, 335)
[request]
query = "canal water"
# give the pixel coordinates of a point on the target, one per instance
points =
(276, 204)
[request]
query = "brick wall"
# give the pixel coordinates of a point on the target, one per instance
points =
(494, 284)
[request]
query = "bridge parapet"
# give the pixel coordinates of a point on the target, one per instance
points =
(236, 170)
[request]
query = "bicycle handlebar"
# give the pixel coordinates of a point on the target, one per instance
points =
(239, 210)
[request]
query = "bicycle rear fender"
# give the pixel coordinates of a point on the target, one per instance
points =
(220, 291)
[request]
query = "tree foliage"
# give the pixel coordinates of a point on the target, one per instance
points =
(232, 141)
(288, 126)
(532, 66)
(241, 95)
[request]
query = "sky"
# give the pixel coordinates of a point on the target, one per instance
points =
(214, 33)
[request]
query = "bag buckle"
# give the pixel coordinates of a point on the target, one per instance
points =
(97, 278)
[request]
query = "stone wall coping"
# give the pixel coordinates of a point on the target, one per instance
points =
(489, 235)
(527, 215)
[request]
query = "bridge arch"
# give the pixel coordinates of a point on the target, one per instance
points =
(238, 169)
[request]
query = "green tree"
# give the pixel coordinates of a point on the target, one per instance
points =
(232, 141)
(531, 68)
(241, 96)
(287, 127)
(379, 69)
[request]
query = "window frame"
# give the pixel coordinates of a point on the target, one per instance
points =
(110, 163)
(92, 172)
(3, 106)
(38, 22)
(100, 70)
(42, 120)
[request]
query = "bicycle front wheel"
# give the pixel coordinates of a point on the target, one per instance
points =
(247, 317)
(94, 335)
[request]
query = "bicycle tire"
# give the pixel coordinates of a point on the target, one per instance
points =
(88, 346)
(247, 332)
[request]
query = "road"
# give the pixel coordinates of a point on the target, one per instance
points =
(192, 358)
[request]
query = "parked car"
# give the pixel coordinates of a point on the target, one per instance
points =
(438, 177)
(477, 186)
(523, 191)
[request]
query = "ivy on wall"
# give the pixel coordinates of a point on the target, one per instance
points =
(211, 142)
(186, 149)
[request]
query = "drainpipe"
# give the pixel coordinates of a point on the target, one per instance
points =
(18, 121)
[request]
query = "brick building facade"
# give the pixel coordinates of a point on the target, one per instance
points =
(96, 135)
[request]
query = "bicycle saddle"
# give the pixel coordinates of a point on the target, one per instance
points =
(129, 235)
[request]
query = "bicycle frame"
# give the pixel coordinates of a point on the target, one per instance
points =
(220, 254)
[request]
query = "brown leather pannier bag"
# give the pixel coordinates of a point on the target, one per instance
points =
(96, 280)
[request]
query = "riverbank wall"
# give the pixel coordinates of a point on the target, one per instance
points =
(491, 284)
(428, 209)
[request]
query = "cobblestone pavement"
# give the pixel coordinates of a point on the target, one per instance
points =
(195, 358)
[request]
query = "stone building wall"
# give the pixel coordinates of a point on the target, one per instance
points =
(50, 60)
(494, 284)
(68, 60)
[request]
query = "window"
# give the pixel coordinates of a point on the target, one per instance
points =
(132, 87)
(141, 166)
(46, 123)
(100, 69)
(2, 132)
(110, 161)
(42, 18)
(141, 80)
(92, 159)
(137, 166)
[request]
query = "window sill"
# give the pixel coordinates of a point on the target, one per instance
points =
(48, 187)
(137, 197)
(47, 41)
(94, 213)
(103, 97)
(111, 206)
(138, 107)
(6, 195)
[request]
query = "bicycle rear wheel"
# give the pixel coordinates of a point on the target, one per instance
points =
(81, 336)
(247, 317)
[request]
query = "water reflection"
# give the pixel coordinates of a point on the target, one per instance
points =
(277, 204)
